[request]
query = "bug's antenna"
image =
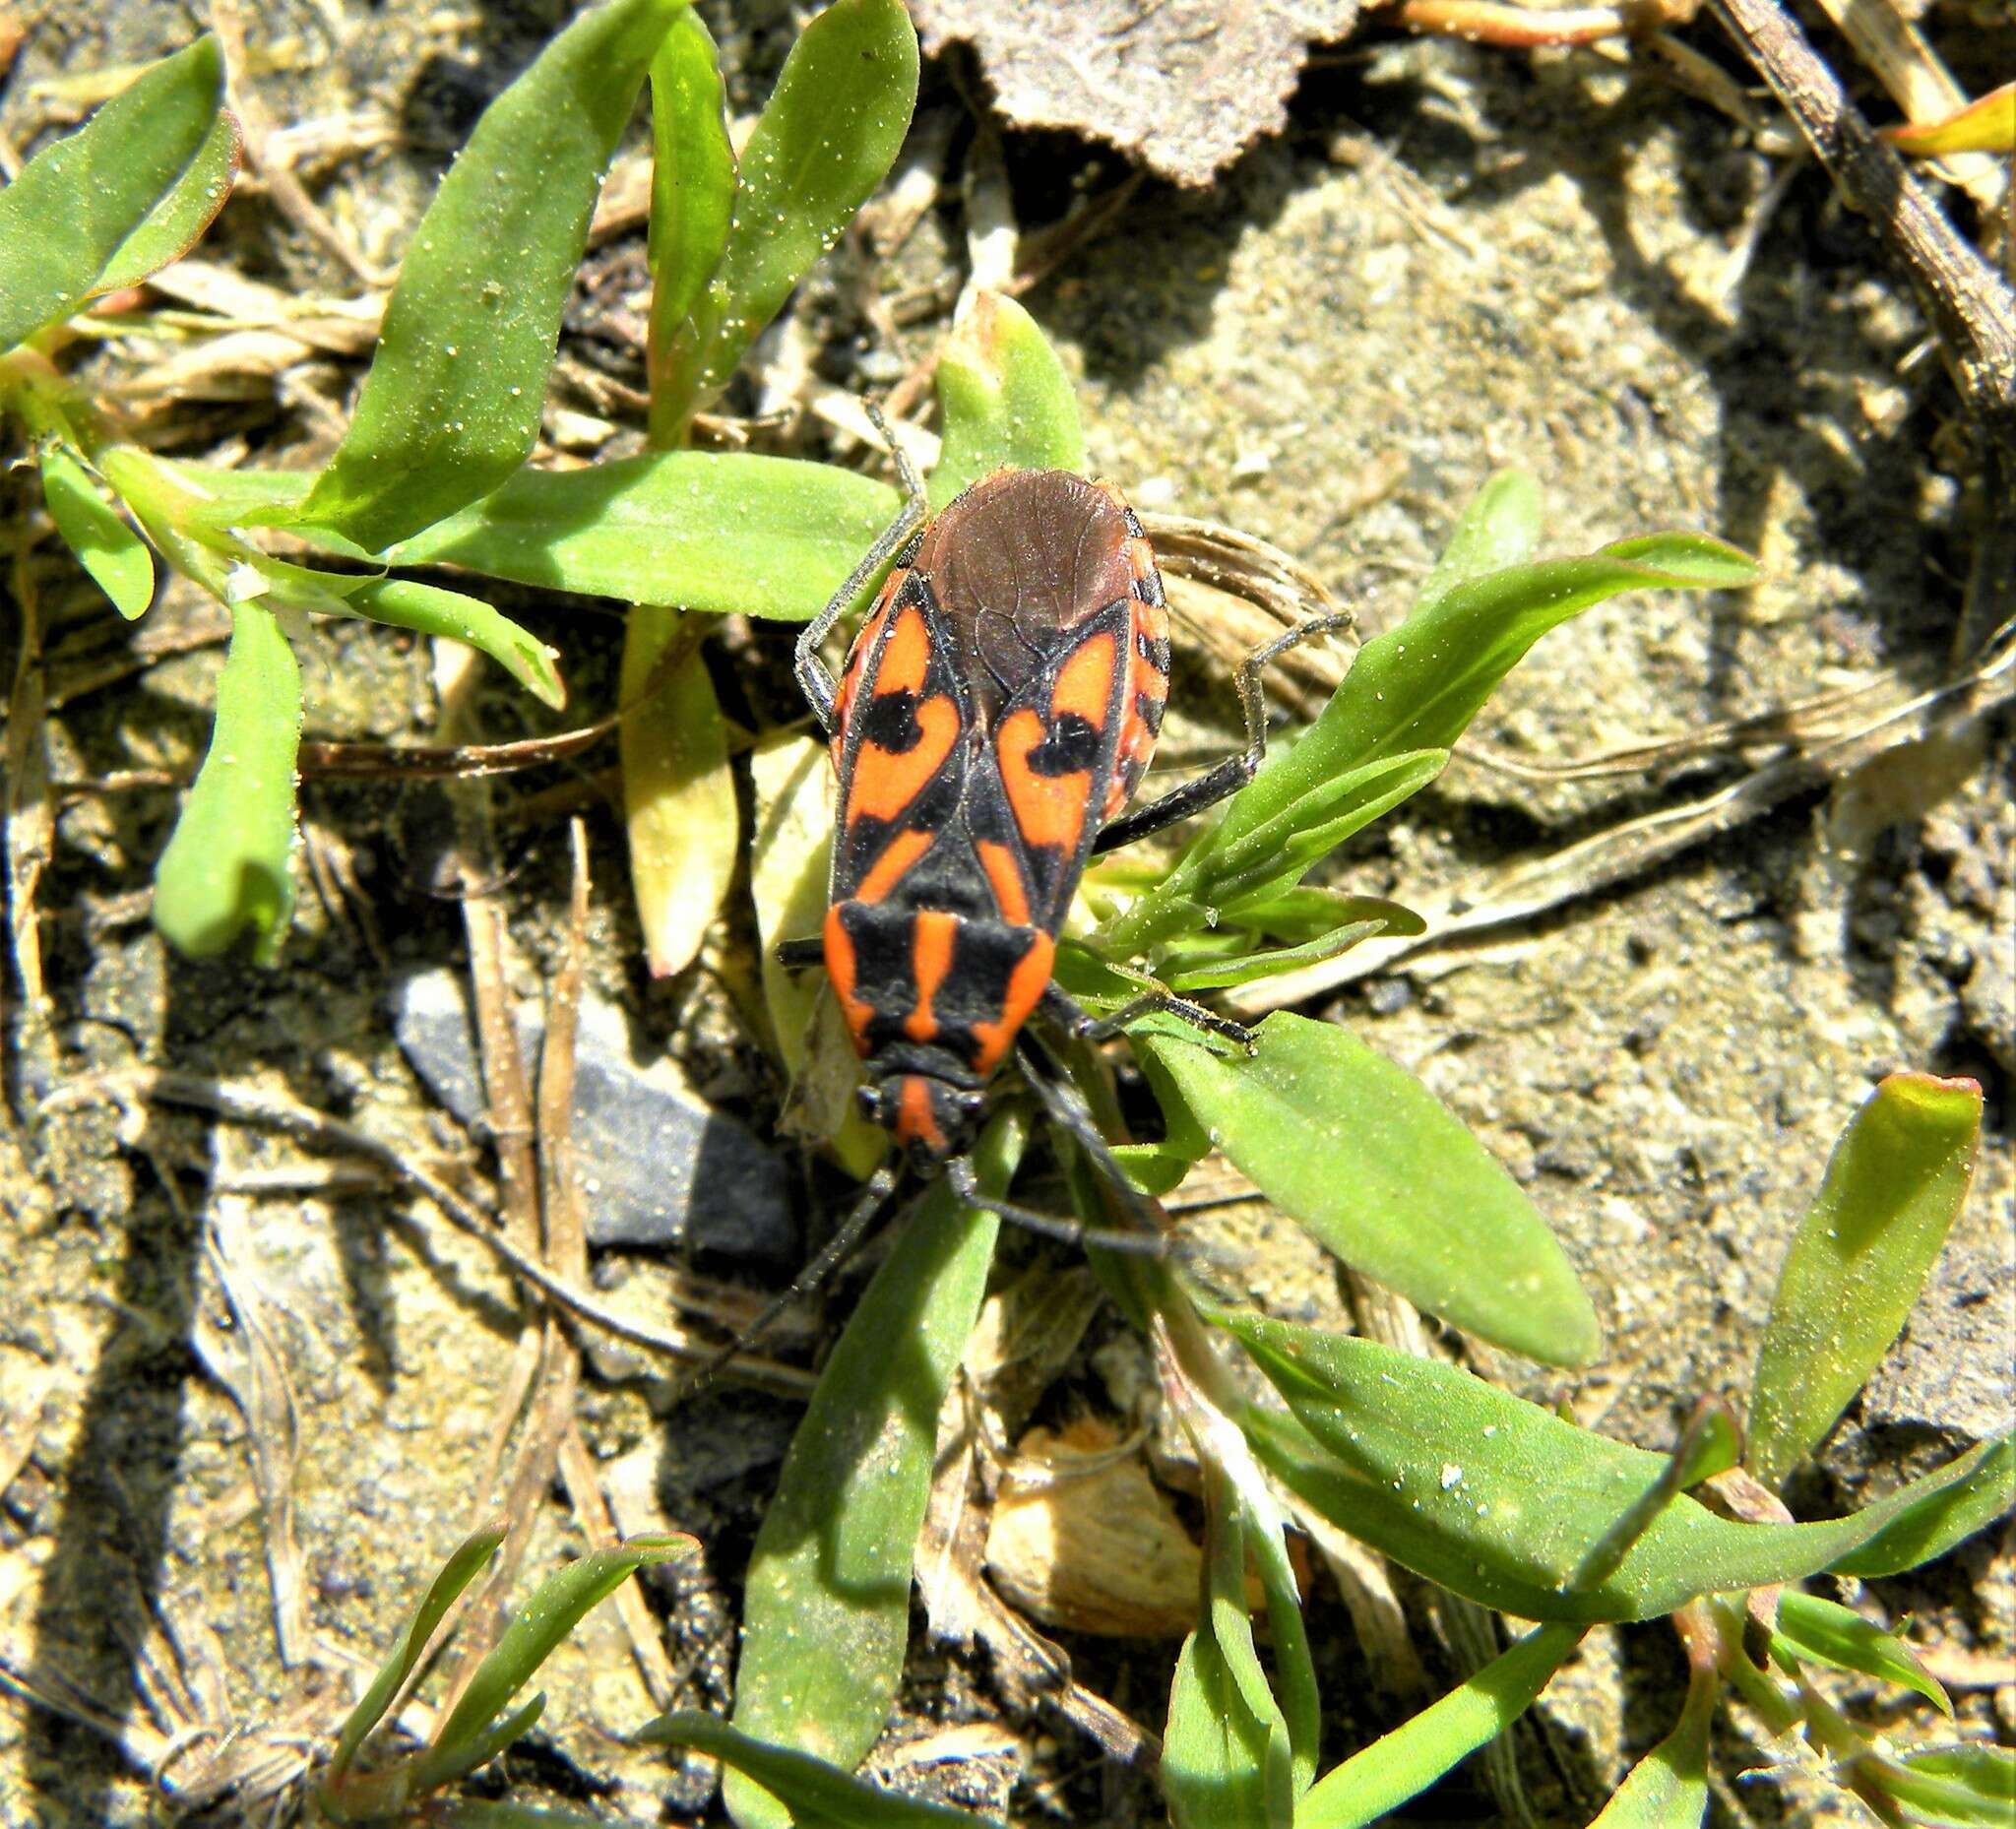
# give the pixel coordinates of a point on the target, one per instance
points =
(852, 1230)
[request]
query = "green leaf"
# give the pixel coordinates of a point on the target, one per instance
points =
(1406, 1763)
(1005, 398)
(1225, 1761)
(75, 202)
(1499, 529)
(1669, 1788)
(227, 867)
(1820, 1631)
(678, 794)
(1503, 1502)
(451, 406)
(731, 533)
(533, 1631)
(176, 222)
(1415, 689)
(817, 1795)
(1954, 1788)
(1379, 1171)
(826, 1609)
(105, 544)
(827, 137)
(456, 1574)
(692, 202)
(404, 604)
(1895, 1185)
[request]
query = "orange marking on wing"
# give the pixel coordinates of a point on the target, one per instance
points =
(856, 657)
(1085, 682)
(1050, 809)
(1026, 986)
(903, 851)
(839, 970)
(931, 955)
(1011, 894)
(905, 657)
(915, 1123)
(886, 781)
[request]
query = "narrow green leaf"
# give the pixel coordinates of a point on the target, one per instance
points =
(404, 604)
(554, 1611)
(1951, 1787)
(1669, 1788)
(1416, 687)
(105, 542)
(1005, 398)
(501, 1813)
(227, 867)
(1226, 1760)
(454, 1759)
(1299, 915)
(1823, 1632)
(456, 1574)
(176, 222)
(451, 406)
(826, 1609)
(818, 1795)
(680, 810)
(75, 202)
(1379, 1171)
(730, 532)
(1503, 1502)
(692, 202)
(827, 137)
(1893, 1188)
(1406, 1763)
(1500, 528)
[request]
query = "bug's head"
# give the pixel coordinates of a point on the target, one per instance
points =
(930, 1118)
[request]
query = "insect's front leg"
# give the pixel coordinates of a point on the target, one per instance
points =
(1060, 1008)
(815, 679)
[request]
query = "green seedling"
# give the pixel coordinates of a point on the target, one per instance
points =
(355, 1790)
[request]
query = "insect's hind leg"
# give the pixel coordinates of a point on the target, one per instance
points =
(960, 1173)
(874, 1197)
(1235, 772)
(814, 680)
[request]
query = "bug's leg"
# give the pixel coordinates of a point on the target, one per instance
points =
(1235, 772)
(959, 1174)
(1060, 1009)
(881, 1184)
(800, 955)
(814, 680)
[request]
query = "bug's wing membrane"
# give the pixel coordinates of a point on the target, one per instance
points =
(904, 747)
(1053, 752)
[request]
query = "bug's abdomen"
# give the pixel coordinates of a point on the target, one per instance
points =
(911, 980)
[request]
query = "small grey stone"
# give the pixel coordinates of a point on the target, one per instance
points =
(658, 1166)
(1955, 1367)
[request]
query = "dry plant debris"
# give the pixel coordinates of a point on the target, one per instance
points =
(1185, 87)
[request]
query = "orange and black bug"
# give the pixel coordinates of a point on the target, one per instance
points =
(997, 711)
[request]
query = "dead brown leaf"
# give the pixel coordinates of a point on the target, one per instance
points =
(1184, 86)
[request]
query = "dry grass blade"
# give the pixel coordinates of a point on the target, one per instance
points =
(253, 1368)
(1921, 86)
(30, 824)
(1529, 886)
